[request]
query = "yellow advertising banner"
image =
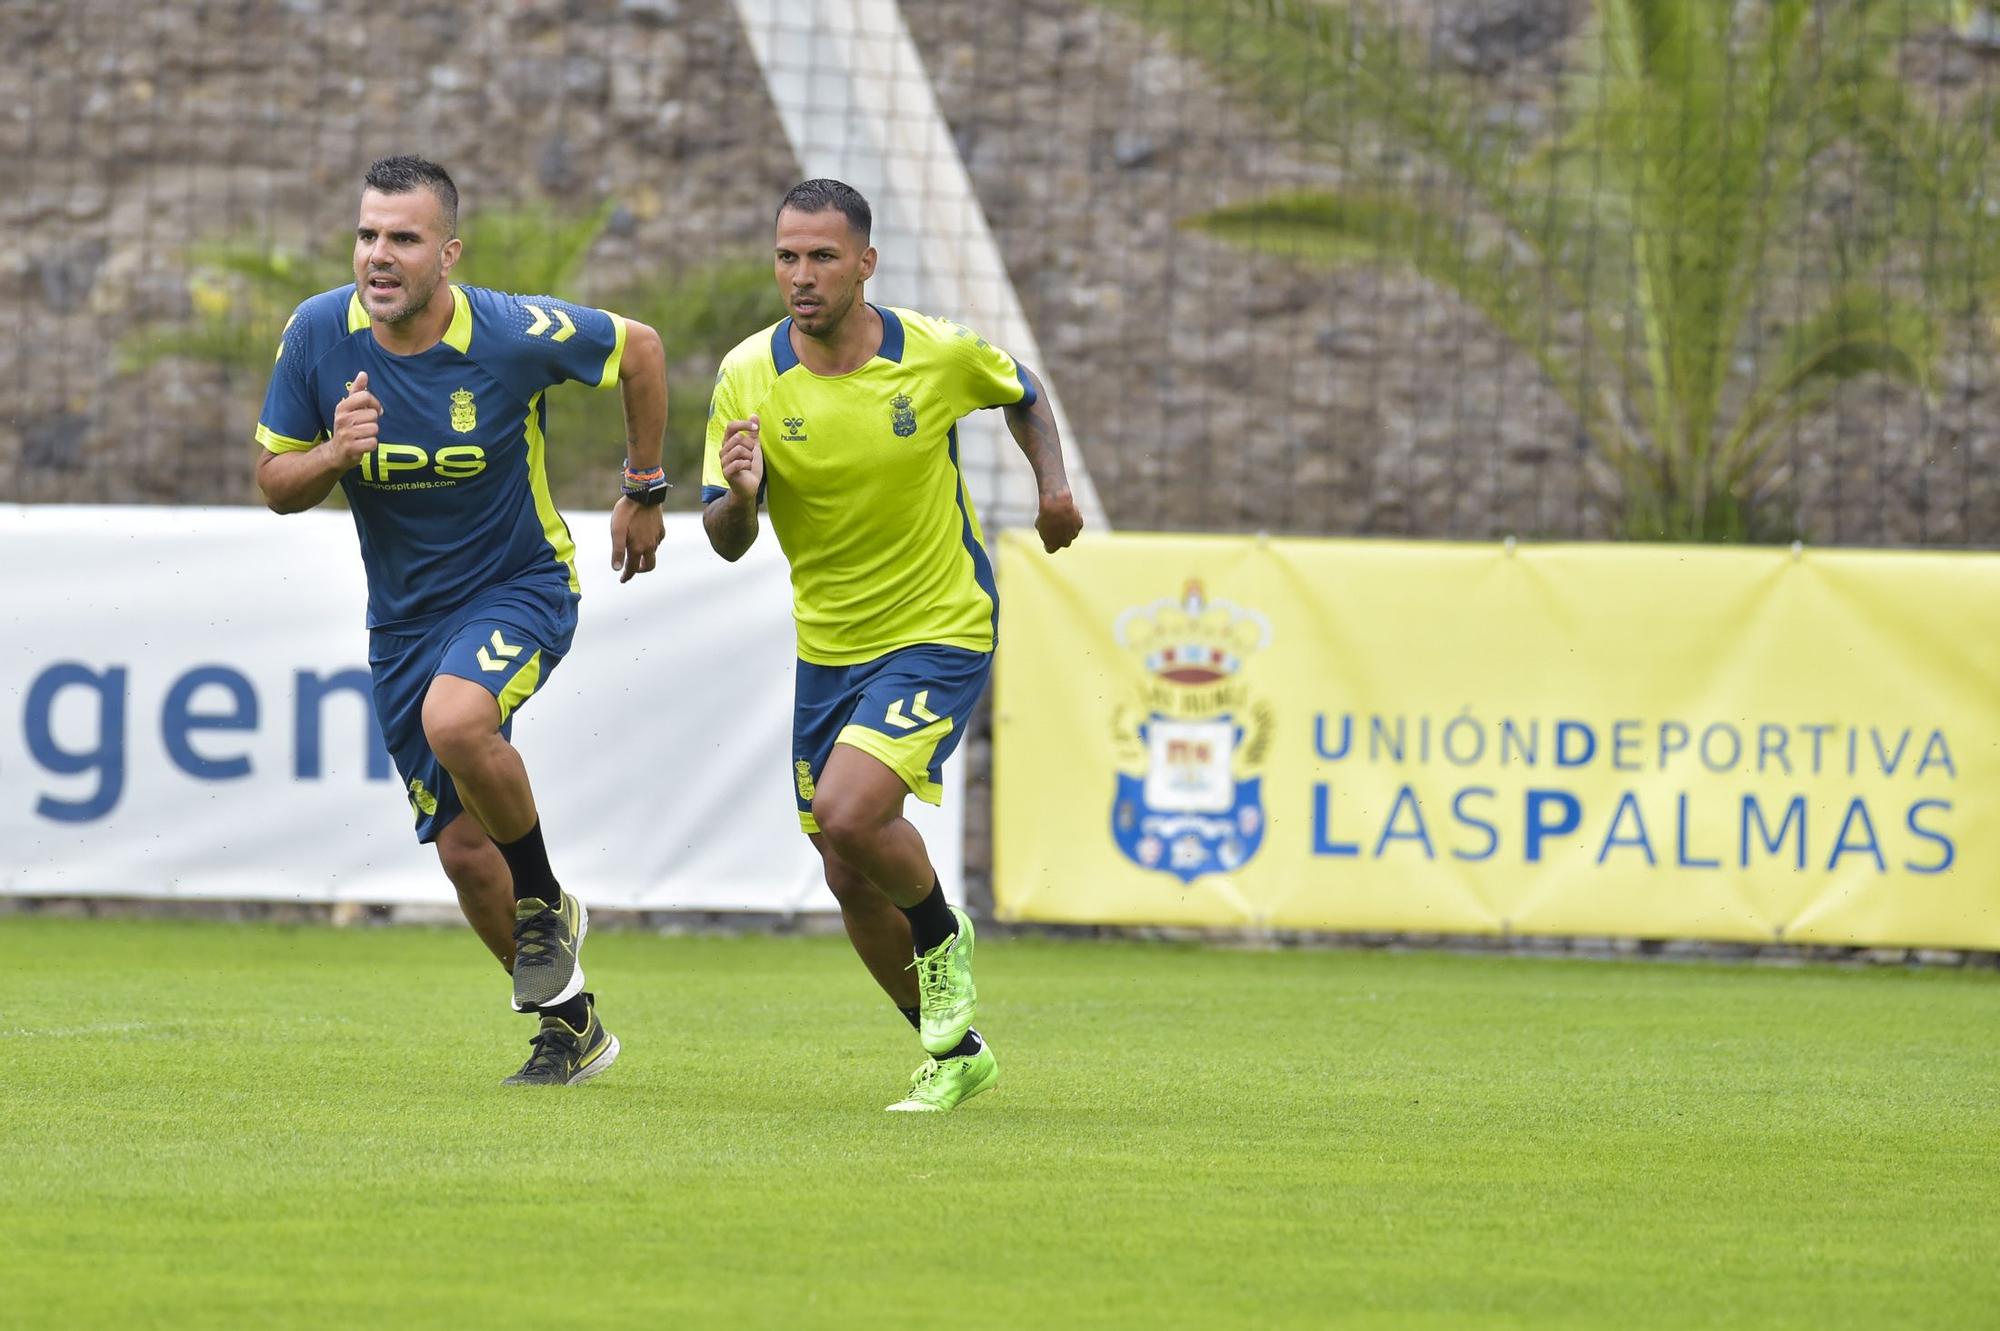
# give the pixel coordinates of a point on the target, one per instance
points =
(1641, 741)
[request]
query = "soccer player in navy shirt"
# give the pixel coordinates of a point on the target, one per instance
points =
(424, 401)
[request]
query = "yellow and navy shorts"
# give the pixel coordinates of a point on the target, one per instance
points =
(908, 709)
(507, 640)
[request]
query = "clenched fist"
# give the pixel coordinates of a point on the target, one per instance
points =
(1058, 521)
(743, 458)
(355, 422)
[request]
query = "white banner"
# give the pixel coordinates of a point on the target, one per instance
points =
(184, 712)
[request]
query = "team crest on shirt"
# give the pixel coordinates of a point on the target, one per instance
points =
(903, 416)
(1192, 738)
(464, 412)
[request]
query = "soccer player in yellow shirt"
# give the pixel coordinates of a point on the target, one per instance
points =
(892, 590)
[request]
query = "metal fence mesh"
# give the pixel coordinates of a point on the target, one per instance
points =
(1551, 268)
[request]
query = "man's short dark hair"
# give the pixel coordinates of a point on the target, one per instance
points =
(816, 196)
(400, 175)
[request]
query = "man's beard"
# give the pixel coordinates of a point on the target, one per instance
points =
(415, 302)
(829, 320)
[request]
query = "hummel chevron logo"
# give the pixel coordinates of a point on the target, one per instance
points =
(919, 708)
(541, 323)
(502, 649)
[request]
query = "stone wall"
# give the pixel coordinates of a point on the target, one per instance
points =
(1208, 389)
(134, 131)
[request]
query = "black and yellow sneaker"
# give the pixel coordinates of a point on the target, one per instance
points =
(563, 1055)
(548, 948)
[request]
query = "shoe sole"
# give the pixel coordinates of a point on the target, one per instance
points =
(947, 1041)
(575, 985)
(610, 1056)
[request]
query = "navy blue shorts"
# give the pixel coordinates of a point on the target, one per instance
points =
(507, 640)
(909, 709)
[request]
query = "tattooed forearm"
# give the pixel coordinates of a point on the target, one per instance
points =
(1034, 429)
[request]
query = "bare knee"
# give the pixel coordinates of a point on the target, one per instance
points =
(849, 825)
(465, 852)
(460, 719)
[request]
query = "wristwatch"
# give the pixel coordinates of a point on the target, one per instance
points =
(644, 487)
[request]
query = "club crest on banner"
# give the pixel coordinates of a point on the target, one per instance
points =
(1192, 738)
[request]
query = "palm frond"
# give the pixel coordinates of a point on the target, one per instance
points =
(532, 248)
(1676, 191)
(1860, 330)
(1349, 227)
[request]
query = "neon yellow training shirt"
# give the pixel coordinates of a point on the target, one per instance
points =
(862, 480)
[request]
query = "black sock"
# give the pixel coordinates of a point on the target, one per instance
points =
(930, 920)
(967, 1045)
(528, 860)
(576, 1011)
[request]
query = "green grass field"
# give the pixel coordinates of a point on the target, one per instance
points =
(231, 1126)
